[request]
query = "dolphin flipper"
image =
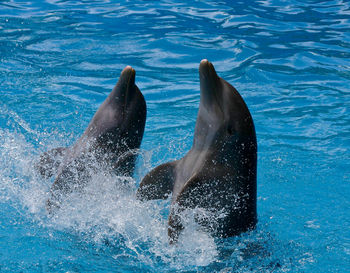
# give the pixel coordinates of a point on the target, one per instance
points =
(157, 184)
(49, 161)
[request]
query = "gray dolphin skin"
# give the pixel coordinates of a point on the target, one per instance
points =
(110, 141)
(219, 172)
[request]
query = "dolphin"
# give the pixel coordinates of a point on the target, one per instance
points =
(219, 172)
(110, 141)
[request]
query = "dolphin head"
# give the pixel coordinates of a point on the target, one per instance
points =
(114, 132)
(120, 121)
(224, 122)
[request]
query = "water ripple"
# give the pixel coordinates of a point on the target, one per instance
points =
(289, 60)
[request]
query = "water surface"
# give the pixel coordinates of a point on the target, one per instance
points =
(288, 59)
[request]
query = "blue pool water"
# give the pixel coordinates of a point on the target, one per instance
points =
(290, 60)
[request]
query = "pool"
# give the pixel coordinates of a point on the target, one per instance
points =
(288, 59)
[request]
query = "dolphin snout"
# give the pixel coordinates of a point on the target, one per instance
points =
(207, 71)
(126, 86)
(208, 82)
(128, 75)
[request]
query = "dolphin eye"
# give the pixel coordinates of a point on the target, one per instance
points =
(230, 130)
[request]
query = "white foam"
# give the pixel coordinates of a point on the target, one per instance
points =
(106, 210)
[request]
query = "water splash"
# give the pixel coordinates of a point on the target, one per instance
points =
(290, 63)
(105, 212)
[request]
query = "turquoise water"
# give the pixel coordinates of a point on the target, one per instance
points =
(288, 59)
